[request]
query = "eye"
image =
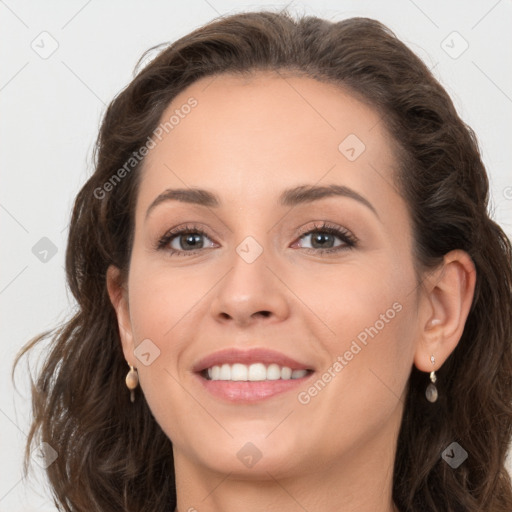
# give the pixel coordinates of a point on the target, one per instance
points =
(186, 239)
(322, 238)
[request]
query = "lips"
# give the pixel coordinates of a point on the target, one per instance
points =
(241, 391)
(247, 357)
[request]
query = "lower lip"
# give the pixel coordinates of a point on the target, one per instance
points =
(250, 391)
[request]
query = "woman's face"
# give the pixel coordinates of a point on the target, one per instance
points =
(256, 288)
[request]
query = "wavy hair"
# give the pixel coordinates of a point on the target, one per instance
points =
(112, 454)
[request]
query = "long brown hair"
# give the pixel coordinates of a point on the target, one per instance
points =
(112, 455)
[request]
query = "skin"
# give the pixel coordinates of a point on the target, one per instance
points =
(247, 140)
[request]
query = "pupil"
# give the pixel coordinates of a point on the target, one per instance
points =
(190, 239)
(321, 238)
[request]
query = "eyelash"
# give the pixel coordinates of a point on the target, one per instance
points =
(344, 235)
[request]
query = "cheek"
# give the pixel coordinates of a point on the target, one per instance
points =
(365, 380)
(160, 298)
(161, 307)
(355, 296)
(369, 315)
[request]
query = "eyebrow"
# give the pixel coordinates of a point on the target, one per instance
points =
(291, 197)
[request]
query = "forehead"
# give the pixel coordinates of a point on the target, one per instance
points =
(247, 136)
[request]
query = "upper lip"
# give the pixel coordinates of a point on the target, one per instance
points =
(249, 356)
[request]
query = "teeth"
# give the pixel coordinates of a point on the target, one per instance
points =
(257, 372)
(286, 373)
(273, 372)
(254, 372)
(225, 372)
(239, 372)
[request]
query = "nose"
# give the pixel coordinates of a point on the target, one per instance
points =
(250, 293)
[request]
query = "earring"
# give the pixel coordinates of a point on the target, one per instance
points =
(132, 381)
(431, 391)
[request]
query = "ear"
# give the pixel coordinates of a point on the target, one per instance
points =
(118, 294)
(446, 302)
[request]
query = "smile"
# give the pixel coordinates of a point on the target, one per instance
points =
(253, 373)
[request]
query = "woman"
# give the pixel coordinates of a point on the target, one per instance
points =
(290, 293)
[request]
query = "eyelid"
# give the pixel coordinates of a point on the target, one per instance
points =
(349, 240)
(328, 226)
(176, 231)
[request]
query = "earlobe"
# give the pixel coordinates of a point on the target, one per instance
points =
(448, 298)
(119, 299)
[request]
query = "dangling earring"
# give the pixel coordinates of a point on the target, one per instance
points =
(132, 381)
(431, 391)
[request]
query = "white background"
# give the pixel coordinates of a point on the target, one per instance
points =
(51, 109)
